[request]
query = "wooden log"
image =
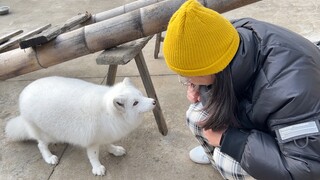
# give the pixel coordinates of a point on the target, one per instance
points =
(15, 42)
(136, 24)
(54, 31)
(6, 37)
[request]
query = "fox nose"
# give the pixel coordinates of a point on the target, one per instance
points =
(154, 102)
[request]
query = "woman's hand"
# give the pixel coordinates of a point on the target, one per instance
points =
(213, 137)
(193, 93)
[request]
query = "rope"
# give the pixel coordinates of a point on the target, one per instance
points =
(36, 54)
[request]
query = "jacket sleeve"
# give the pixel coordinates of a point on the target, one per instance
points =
(257, 152)
(286, 92)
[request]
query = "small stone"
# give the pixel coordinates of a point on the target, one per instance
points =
(4, 10)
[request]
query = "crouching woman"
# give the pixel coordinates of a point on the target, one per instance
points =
(255, 94)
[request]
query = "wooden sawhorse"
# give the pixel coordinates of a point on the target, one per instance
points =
(123, 54)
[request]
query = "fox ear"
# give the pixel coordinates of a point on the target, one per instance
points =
(119, 103)
(127, 81)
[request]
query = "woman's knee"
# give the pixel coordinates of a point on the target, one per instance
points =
(195, 114)
(228, 167)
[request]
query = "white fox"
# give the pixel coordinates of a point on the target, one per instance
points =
(66, 110)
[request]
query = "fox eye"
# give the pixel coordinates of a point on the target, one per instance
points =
(135, 103)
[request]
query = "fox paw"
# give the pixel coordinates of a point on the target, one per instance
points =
(118, 151)
(52, 160)
(99, 170)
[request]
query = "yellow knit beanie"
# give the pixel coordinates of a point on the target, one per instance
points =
(199, 41)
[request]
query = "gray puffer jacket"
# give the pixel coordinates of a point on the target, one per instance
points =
(276, 76)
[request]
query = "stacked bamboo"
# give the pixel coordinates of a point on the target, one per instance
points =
(46, 33)
(101, 35)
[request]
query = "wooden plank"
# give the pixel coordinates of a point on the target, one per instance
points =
(41, 38)
(6, 37)
(80, 18)
(55, 31)
(16, 41)
(122, 54)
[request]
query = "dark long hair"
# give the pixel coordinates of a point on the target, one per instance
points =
(222, 103)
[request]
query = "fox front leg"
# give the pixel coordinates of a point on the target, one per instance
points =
(93, 155)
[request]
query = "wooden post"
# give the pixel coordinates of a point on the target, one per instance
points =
(147, 82)
(136, 24)
(159, 39)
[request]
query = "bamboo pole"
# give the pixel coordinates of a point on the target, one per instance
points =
(136, 24)
(53, 32)
(120, 10)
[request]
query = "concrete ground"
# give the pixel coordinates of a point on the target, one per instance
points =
(149, 154)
